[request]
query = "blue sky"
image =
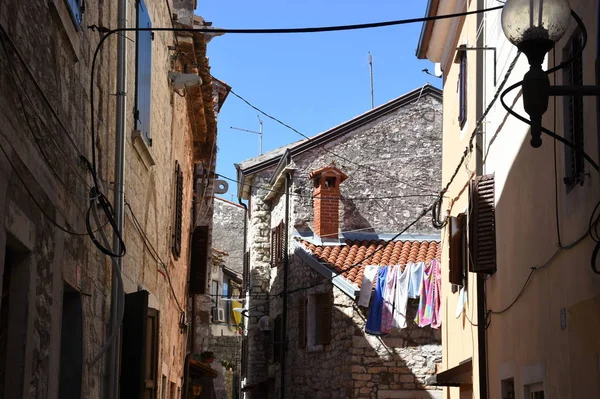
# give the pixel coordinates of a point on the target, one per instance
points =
(310, 81)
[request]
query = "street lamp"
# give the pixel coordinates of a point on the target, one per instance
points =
(534, 26)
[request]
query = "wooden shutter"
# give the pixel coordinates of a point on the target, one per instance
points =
(573, 114)
(134, 345)
(199, 259)
(482, 225)
(151, 361)
(457, 249)
(462, 87)
(178, 212)
(302, 323)
(324, 315)
(281, 242)
(273, 246)
(244, 356)
(143, 72)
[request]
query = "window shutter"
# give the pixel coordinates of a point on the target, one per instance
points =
(281, 242)
(482, 225)
(302, 323)
(462, 87)
(573, 113)
(199, 259)
(143, 73)
(178, 217)
(457, 249)
(244, 356)
(324, 315)
(133, 363)
(273, 246)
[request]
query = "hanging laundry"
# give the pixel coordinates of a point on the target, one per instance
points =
(416, 280)
(387, 315)
(401, 296)
(367, 285)
(430, 301)
(374, 319)
(462, 300)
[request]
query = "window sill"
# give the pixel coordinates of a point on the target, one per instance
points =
(142, 148)
(315, 348)
(64, 16)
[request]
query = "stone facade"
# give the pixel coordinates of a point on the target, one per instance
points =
(228, 232)
(45, 124)
(394, 157)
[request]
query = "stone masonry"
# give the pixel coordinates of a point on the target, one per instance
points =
(392, 162)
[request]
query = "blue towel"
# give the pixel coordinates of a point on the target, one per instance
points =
(373, 326)
(416, 280)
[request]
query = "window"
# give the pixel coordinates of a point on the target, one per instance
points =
(71, 345)
(143, 72)
(151, 360)
(277, 244)
(178, 212)
(508, 388)
(277, 340)
(314, 321)
(535, 391)
(458, 251)
(76, 10)
(482, 225)
(462, 86)
(164, 387)
(573, 114)
(198, 262)
(214, 299)
(173, 390)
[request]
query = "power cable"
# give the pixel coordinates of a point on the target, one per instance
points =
(323, 148)
(330, 197)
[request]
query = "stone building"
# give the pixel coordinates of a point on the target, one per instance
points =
(349, 190)
(56, 307)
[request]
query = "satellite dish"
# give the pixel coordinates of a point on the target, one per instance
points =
(264, 323)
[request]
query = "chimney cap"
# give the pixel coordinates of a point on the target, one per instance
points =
(329, 170)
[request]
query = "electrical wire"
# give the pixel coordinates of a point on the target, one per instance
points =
(309, 139)
(329, 197)
(153, 252)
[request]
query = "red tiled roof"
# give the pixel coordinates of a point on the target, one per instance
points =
(395, 253)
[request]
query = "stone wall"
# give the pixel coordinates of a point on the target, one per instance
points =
(228, 232)
(406, 145)
(45, 123)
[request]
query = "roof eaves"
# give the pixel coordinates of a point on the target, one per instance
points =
(338, 280)
(426, 29)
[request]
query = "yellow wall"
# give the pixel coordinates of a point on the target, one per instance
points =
(526, 342)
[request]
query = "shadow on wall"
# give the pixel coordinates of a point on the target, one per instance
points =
(351, 217)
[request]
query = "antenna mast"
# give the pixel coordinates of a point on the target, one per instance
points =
(371, 72)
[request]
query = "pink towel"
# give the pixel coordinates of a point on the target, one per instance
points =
(430, 301)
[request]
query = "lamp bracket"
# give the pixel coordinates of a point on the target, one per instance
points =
(465, 48)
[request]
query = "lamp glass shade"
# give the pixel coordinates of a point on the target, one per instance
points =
(535, 20)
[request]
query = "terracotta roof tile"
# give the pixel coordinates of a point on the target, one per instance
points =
(395, 253)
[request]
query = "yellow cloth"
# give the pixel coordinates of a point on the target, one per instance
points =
(237, 316)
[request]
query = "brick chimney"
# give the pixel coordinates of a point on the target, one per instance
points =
(326, 183)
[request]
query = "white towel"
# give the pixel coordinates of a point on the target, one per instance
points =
(416, 280)
(367, 285)
(401, 299)
(462, 300)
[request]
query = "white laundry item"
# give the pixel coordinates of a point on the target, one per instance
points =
(462, 300)
(367, 285)
(401, 297)
(416, 280)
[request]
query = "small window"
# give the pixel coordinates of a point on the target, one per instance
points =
(143, 72)
(330, 182)
(462, 87)
(71, 345)
(458, 251)
(535, 391)
(76, 10)
(508, 388)
(278, 245)
(573, 114)
(318, 323)
(178, 211)
(151, 353)
(277, 339)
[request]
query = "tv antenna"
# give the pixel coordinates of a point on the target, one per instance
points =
(260, 133)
